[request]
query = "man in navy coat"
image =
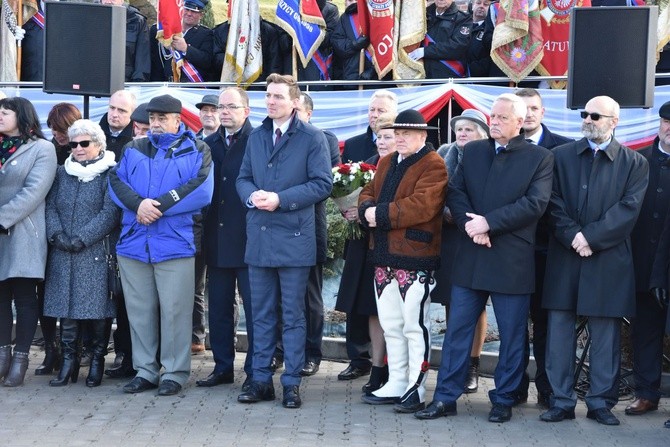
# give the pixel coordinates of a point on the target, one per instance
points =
(285, 172)
(226, 239)
(497, 197)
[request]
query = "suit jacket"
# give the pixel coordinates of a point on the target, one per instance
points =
(226, 220)
(199, 53)
(359, 148)
(511, 190)
(647, 231)
(600, 197)
(298, 169)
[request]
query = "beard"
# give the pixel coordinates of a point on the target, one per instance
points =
(593, 133)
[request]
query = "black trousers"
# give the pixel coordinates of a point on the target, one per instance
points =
(647, 338)
(23, 293)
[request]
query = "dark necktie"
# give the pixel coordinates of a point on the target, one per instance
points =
(230, 139)
(529, 140)
(277, 136)
(500, 149)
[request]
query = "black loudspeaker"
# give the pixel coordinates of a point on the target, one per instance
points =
(84, 48)
(613, 53)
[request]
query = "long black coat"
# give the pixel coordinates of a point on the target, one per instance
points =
(359, 148)
(226, 220)
(647, 231)
(661, 269)
(200, 43)
(116, 143)
(138, 52)
(32, 52)
(511, 190)
(600, 197)
(76, 283)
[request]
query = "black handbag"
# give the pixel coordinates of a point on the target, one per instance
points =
(113, 274)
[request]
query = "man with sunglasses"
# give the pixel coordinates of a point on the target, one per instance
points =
(598, 189)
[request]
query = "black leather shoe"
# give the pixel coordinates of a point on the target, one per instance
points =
(215, 379)
(437, 409)
(376, 400)
(309, 369)
(409, 404)
(472, 381)
(556, 414)
(168, 388)
(119, 372)
(258, 391)
(543, 400)
(353, 372)
(500, 413)
(667, 424)
(138, 385)
(247, 384)
(603, 416)
(291, 397)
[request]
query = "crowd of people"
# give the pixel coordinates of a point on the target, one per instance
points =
(457, 44)
(506, 209)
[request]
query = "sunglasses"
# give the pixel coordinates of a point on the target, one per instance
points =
(74, 144)
(594, 116)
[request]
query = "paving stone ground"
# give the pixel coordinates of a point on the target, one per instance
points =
(332, 415)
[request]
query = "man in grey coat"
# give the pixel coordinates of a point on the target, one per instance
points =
(285, 172)
(599, 186)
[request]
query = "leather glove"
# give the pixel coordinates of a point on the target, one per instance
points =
(416, 54)
(660, 296)
(77, 245)
(61, 242)
(362, 42)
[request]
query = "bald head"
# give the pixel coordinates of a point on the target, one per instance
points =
(122, 103)
(606, 110)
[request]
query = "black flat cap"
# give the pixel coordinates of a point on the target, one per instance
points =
(410, 119)
(164, 104)
(664, 111)
(208, 100)
(140, 114)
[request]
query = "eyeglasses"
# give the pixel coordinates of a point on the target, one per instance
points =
(228, 107)
(74, 144)
(594, 116)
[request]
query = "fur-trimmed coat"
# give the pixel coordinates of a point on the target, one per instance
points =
(76, 283)
(409, 197)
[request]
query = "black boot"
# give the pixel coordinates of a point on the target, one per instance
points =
(5, 360)
(51, 359)
(17, 370)
(69, 367)
(379, 375)
(100, 336)
(472, 381)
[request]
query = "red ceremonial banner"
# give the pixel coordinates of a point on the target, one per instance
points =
(556, 34)
(376, 21)
(169, 20)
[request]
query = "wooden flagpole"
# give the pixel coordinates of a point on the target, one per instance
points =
(19, 23)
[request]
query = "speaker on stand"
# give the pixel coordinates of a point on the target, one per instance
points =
(613, 53)
(84, 49)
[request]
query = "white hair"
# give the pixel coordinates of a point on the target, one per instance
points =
(518, 105)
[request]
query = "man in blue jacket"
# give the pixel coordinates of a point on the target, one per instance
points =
(161, 183)
(285, 172)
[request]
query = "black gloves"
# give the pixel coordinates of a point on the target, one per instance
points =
(64, 243)
(77, 245)
(660, 296)
(362, 42)
(61, 241)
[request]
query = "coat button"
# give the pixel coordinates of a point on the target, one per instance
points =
(220, 224)
(655, 215)
(584, 186)
(269, 165)
(224, 179)
(96, 258)
(263, 228)
(659, 190)
(222, 202)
